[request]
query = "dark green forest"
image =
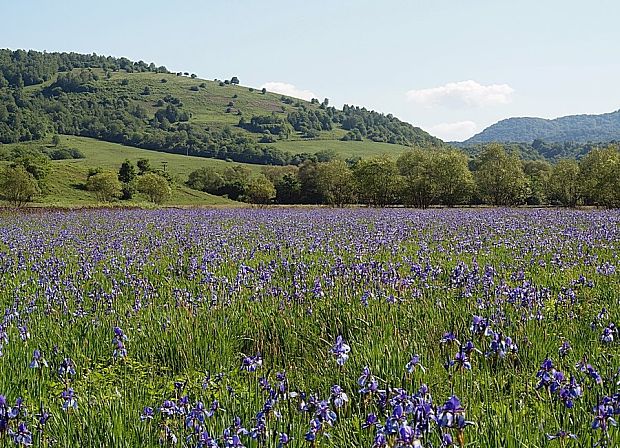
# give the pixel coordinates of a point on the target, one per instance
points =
(573, 128)
(541, 150)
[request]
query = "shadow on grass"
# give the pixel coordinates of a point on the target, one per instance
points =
(79, 186)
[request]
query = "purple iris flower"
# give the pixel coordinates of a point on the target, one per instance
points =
(339, 396)
(315, 427)
(414, 363)
(561, 435)
(406, 434)
(214, 407)
(461, 360)
(341, 351)
(24, 334)
(325, 413)
(67, 368)
(603, 416)
(283, 439)
(608, 333)
(70, 399)
(479, 326)
(37, 360)
(380, 441)
(206, 441)
(371, 420)
(22, 436)
(591, 372)
(452, 414)
(446, 441)
(168, 408)
(448, 338)
(252, 363)
(147, 414)
(501, 346)
(364, 377)
(564, 349)
(469, 348)
(42, 417)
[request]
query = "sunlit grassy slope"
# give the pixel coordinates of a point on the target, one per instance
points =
(209, 104)
(65, 182)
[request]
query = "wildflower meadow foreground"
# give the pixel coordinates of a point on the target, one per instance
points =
(310, 327)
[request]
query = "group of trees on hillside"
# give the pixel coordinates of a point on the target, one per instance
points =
(422, 178)
(106, 116)
(21, 68)
(24, 179)
(107, 186)
(360, 124)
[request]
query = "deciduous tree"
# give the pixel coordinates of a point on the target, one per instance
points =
(105, 186)
(600, 176)
(564, 183)
(260, 190)
(336, 183)
(499, 177)
(155, 187)
(18, 186)
(378, 181)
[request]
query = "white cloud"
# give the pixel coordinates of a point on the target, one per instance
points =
(454, 132)
(463, 93)
(284, 88)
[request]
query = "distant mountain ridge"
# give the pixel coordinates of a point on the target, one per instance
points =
(572, 128)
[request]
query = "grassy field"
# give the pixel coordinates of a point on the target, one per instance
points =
(207, 105)
(286, 328)
(67, 177)
(111, 155)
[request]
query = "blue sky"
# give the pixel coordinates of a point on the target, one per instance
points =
(452, 67)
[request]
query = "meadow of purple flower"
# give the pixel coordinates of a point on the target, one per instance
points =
(310, 327)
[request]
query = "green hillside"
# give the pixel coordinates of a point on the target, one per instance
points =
(540, 150)
(64, 184)
(145, 106)
(210, 107)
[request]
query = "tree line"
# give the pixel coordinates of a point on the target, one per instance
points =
(417, 178)
(21, 68)
(423, 178)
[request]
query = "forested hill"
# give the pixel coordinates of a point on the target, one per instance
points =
(573, 128)
(144, 105)
(540, 150)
